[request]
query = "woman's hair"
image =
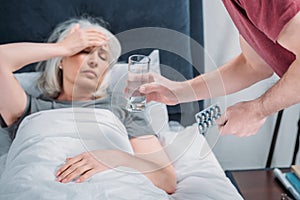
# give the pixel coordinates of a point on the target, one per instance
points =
(50, 81)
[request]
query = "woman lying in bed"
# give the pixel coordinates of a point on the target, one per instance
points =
(76, 62)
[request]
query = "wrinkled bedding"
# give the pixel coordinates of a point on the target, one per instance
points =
(45, 139)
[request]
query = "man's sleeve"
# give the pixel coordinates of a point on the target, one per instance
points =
(270, 16)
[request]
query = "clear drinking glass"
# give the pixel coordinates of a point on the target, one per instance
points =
(138, 74)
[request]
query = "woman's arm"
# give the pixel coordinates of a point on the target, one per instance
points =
(13, 57)
(150, 159)
(16, 55)
(153, 162)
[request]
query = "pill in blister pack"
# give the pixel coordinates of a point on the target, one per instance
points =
(207, 117)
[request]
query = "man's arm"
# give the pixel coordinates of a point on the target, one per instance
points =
(241, 72)
(245, 118)
(286, 91)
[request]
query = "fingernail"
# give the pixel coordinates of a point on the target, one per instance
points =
(58, 179)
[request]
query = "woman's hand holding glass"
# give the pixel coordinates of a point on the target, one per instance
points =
(79, 39)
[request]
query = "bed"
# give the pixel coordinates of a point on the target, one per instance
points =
(199, 175)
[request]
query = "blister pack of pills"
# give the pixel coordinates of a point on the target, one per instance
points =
(207, 118)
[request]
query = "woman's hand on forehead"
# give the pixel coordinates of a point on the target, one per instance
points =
(79, 39)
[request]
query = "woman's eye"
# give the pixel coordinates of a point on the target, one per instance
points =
(103, 56)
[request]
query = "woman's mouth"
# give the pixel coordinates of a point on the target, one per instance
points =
(90, 73)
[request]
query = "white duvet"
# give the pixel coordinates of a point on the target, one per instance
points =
(45, 139)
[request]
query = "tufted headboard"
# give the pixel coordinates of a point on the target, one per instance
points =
(148, 24)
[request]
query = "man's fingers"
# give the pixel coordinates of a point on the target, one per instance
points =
(149, 88)
(151, 97)
(222, 120)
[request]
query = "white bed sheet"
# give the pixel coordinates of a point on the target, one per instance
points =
(199, 175)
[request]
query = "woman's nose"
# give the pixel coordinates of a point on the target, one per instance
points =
(92, 62)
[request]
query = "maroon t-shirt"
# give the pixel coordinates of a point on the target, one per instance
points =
(260, 23)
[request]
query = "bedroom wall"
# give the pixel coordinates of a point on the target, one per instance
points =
(221, 44)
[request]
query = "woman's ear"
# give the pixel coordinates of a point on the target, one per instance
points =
(60, 66)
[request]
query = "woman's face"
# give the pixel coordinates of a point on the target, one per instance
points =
(86, 69)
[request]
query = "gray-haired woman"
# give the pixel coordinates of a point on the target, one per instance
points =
(75, 65)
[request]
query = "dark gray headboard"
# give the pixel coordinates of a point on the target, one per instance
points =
(33, 20)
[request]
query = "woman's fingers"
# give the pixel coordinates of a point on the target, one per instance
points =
(79, 39)
(68, 164)
(77, 172)
(97, 33)
(95, 38)
(81, 167)
(95, 42)
(86, 175)
(70, 170)
(75, 28)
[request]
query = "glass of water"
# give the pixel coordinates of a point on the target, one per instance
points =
(138, 74)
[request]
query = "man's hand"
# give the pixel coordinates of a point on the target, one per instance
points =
(242, 119)
(165, 91)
